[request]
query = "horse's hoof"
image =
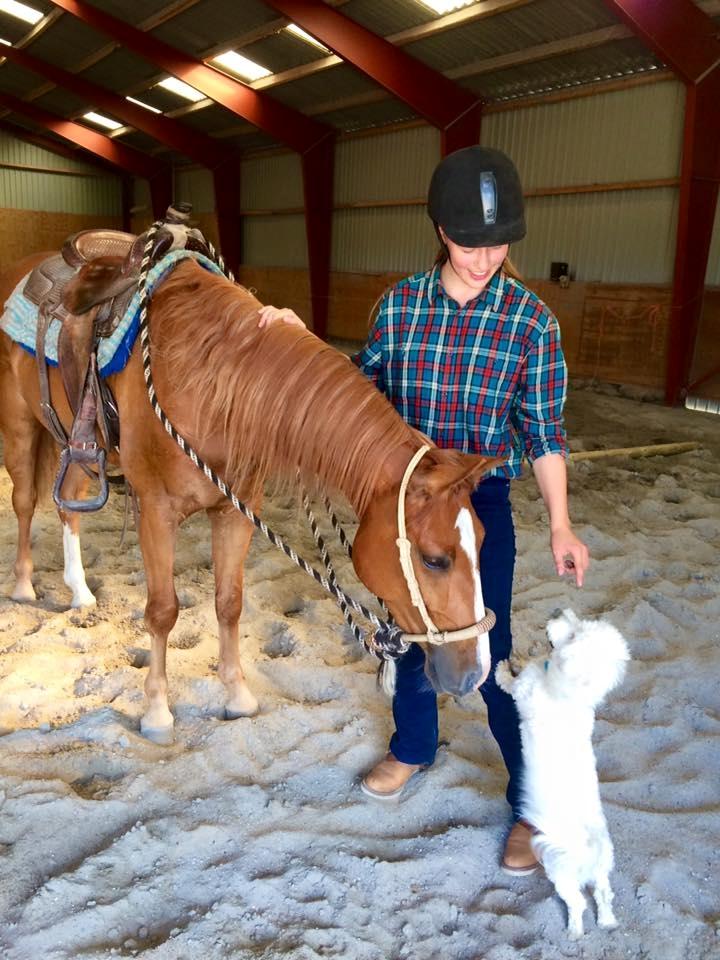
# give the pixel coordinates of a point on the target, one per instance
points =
(235, 714)
(23, 593)
(83, 600)
(162, 736)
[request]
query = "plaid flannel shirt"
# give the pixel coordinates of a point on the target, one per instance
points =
(488, 378)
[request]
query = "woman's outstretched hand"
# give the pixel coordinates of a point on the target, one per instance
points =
(570, 554)
(269, 314)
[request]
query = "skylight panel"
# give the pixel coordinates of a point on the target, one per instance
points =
(21, 10)
(182, 89)
(241, 66)
(101, 120)
(301, 35)
(140, 103)
(445, 6)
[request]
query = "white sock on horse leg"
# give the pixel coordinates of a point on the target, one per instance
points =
(74, 575)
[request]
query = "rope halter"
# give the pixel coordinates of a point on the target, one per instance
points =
(432, 634)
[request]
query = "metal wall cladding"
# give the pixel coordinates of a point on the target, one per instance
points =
(383, 240)
(629, 134)
(13, 150)
(273, 182)
(614, 237)
(53, 193)
(195, 186)
(391, 166)
(275, 241)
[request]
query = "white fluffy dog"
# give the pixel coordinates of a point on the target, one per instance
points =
(556, 701)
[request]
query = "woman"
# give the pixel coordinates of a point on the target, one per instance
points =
(471, 358)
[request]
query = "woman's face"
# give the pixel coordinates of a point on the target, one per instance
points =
(474, 266)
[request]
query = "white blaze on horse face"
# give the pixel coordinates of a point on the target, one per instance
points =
(74, 575)
(468, 543)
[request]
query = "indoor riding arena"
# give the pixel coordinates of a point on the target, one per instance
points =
(182, 473)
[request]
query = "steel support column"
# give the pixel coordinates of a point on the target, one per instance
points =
(685, 38)
(226, 181)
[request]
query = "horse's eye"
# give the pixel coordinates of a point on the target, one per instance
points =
(441, 562)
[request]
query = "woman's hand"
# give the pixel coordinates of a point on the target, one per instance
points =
(269, 314)
(570, 554)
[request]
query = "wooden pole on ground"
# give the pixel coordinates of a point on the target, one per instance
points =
(652, 450)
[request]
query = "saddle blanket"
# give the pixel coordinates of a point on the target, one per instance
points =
(19, 318)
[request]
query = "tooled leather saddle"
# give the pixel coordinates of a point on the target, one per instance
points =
(87, 287)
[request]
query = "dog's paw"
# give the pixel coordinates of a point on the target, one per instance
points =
(503, 676)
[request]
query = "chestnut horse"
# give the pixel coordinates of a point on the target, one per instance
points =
(255, 404)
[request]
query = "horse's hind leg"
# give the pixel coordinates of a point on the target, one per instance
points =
(157, 531)
(74, 487)
(231, 535)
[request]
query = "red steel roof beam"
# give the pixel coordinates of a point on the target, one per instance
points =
(454, 110)
(124, 158)
(684, 37)
(198, 147)
(283, 123)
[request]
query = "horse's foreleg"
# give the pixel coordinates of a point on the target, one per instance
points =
(231, 534)
(74, 488)
(157, 531)
(21, 449)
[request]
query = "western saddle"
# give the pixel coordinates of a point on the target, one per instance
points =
(95, 269)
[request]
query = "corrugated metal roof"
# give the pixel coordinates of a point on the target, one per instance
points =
(63, 103)
(16, 80)
(132, 11)
(211, 119)
(386, 18)
(618, 59)
(281, 51)
(209, 22)
(368, 116)
(120, 70)
(67, 43)
(525, 26)
(337, 83)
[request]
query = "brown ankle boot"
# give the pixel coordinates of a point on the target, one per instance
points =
(388, 779)
(519, 858)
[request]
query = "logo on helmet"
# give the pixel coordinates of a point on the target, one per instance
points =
(488, 196)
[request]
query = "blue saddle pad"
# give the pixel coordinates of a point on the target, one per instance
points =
(19, 318)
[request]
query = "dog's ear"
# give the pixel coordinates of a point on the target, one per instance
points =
(561, 629)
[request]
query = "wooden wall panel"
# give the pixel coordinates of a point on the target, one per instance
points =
(31, 231)
(705, 371)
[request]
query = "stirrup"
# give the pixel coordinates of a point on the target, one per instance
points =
(85, 457)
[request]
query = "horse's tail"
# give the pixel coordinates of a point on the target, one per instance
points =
(46, 465)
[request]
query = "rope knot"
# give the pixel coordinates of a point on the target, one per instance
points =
(389, 642)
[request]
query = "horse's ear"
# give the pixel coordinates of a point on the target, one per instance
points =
(449, 471)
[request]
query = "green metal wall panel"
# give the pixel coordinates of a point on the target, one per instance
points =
(28, 189)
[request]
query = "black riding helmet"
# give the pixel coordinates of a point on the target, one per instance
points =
(476, 197)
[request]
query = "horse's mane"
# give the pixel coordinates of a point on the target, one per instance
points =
(282, 400)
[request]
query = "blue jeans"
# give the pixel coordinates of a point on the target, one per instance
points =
(415, 703)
